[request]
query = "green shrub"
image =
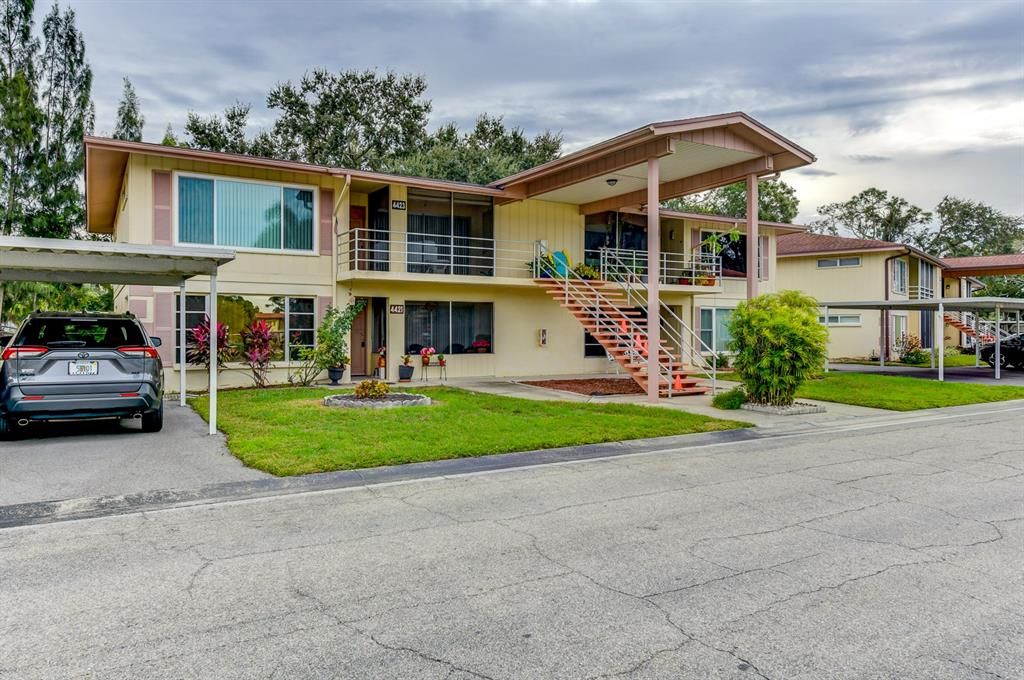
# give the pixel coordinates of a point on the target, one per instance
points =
(730, 400)
(778, 343)
(910, 351)
(371, 389)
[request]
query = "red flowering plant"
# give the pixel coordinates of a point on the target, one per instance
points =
(259, 345)
(198, 351)
(426, 353)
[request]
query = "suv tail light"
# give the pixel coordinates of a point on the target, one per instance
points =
(142, 352)
(24, 351)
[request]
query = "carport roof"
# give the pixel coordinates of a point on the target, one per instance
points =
(68, 261)
(973, 304)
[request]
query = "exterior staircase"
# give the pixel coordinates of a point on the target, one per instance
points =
(604, 311)
(973, 327)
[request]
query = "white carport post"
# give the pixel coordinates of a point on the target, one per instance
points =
(181, 343)
(999, 342)
(213, 352)
(826, 342)
(942, 355)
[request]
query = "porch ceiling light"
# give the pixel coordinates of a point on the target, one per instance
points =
(611, 181)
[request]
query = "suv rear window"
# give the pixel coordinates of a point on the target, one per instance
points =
(83, 332)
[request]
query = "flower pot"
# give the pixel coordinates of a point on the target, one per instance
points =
(335, 374)
(404, 373)
(426, 361)
(442, 362)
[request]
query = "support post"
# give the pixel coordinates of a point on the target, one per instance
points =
(752, 236)
(827, 326)
(942, 355)
(213, 353)
(999, 343)
(182, 361)
(653, 279)
(881, 339)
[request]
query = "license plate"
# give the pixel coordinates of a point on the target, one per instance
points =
(83, 367)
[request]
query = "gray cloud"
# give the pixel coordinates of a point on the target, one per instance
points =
(838, 78)
(811, 171)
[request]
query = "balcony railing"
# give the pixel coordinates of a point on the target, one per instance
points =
(676, 268)
(920, 292)
(377, 250)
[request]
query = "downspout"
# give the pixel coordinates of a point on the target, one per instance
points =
(341, 197)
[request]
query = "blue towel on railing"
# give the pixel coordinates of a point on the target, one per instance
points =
(560, 260)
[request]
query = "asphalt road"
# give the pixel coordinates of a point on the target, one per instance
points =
(861, 553)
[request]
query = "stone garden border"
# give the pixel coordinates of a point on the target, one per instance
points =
(797, 408)
(392, 400)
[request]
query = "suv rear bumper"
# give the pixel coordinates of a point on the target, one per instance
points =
(72, 406)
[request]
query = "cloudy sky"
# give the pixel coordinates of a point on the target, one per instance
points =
(921, 98)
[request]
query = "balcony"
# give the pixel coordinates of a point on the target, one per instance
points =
(677, 269)
(920, 292)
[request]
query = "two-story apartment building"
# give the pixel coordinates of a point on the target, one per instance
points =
(835, 268)
(477, 272)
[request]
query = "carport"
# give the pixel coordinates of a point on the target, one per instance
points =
(938, 306)
(67, 261)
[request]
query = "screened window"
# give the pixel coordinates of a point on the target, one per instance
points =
(734, 253)
(450, 233)
(449, 327)
(291, 319)
(714, 328)
(834, 262)
(591, 347)
(840, 319)
(899, 276)
(244, 214)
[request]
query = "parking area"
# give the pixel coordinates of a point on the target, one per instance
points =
(57, 461)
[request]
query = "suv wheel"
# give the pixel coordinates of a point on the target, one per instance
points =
(154, 420)
(6, 428)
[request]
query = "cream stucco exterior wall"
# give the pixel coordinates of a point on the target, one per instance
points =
(521, 309)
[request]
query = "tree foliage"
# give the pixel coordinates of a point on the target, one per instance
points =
(169, 138)
(488, 152)
(20, 118)
(779, 343)
(65, 100)
(875, 214)
(19, 298)
(130, 120)
(225, 132)
(777, 201)
(967, 227)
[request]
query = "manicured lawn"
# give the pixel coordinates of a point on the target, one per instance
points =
(902, 394)
(288, 431)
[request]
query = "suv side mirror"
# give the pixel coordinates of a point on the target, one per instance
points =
(156, 342)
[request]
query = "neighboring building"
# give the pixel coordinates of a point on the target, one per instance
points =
(959, 281)
(837, 268)
(448, 264)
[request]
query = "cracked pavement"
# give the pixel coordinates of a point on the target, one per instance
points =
(875, 553)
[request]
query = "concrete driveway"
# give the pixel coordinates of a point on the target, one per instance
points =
(982, 375)
(859, 551)
(55, 461)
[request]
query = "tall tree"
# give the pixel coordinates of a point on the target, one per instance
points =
(362, 120)
(169, 138)
(65, 96)
(874, 214)
(20, 118)
(488, 152)
(130, 120)
(967, 227)
(219, 133)
(776, 201)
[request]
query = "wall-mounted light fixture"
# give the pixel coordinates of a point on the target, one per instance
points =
(611, 181)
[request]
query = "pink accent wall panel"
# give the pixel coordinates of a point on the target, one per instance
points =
(161, 208)
(163, 324)
(326, 221)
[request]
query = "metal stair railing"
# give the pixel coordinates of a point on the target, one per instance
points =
(582, 291)
(614, 269)
(981, 328)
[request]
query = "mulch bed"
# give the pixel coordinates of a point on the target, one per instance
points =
(590, 386)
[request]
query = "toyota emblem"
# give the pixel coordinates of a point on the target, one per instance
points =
(83, 355)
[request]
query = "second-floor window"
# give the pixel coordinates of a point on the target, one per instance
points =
(240, 214)
(899, 276)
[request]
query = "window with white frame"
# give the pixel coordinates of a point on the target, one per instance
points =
(245, 214)
(840, 319)
(899, 276)
(291, 319)
(449, 327)
(837, 262)
(899, 329)
(714, 328)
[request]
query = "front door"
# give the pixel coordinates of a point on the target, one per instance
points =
(359, 336)
(359, 251)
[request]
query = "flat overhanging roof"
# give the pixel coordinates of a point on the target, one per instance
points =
(69, 261)
(973, 304)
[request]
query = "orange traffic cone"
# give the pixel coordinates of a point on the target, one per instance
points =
(677, 384)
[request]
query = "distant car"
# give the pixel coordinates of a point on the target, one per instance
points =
(64, 366)
(1011, 352)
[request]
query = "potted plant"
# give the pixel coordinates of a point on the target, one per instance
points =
(481, 346)
(425, 355)
(587, 272)
(405, 370)
(331, 346)
(685, 281)
(714, 244)
(441, 361)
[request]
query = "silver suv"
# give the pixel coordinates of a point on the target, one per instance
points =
(66, 365)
